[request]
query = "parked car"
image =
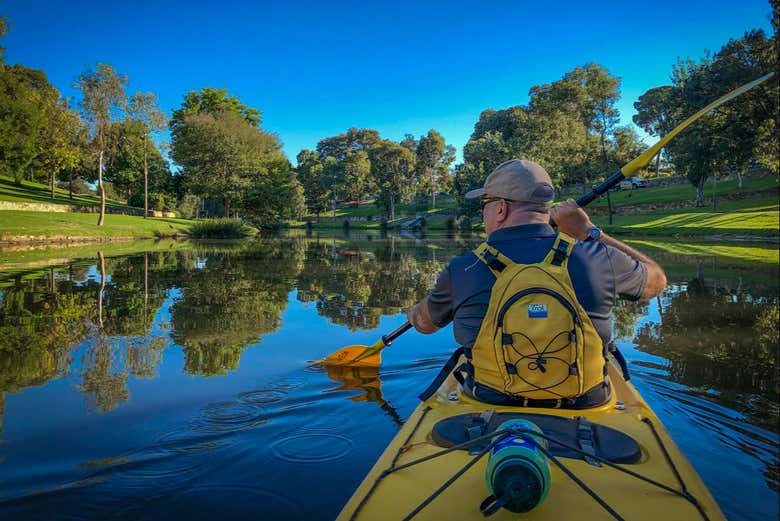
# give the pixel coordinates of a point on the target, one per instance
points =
(631, 183)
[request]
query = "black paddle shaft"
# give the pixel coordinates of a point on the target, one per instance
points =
(601, 189)
(598, 190)
(388, 339)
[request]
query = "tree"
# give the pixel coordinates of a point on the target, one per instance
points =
(276, 194)
(656, 113)
(730, 138)
(26, 97)
(3, 32)
(626, 146)
(357, 174)
(352, 140)
(310, 172)
(213, 101)
(222, 155)
(559, 141)
(103, 94)
(143, 109)
(487, 152)
(63, 140)
(333, 173)
(433, 159)
(219, 153)
(392, 165)
(346, 164)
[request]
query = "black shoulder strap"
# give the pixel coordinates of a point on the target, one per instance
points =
(443, 374)
(561, 249)
(494, 259)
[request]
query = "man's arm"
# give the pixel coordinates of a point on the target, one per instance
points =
(572, 220)
(656, 278)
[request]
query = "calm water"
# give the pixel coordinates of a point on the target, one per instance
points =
(176, 384)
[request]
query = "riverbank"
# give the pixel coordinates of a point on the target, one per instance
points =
(23, 227)
(755, 219)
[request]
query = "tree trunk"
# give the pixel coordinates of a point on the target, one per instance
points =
(51, 182)
(102, 267)
(70, 185)
(226, 209)
(700, 191)
(714, 191)
(146, 290)
(609, 206)
(658, 164)
(146, 181)
(392, 208)
(433, 190)
(102, 191)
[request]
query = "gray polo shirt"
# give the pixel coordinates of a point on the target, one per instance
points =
(600, 274)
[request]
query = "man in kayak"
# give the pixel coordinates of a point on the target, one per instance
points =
(517, 209)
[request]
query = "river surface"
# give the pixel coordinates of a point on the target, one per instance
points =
(175, 383)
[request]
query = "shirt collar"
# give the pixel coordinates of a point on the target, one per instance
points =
(525, 231)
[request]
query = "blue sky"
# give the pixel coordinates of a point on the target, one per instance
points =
(316, 68)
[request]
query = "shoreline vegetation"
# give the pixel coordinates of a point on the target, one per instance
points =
(746, 213)
(19, 258)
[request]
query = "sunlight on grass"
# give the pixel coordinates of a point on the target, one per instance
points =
(764, 220)
(767, 254)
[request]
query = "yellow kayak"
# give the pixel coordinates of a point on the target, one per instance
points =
(587, 443)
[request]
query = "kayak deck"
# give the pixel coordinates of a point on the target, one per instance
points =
(399, 493)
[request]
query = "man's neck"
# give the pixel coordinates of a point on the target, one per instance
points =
(520, 218)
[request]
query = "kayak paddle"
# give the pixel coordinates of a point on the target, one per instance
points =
(645, 157)
(365, 356)
(368, 356)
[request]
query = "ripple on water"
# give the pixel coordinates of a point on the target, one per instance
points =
(229, 416)
(312, 447)
(185, 442)
(172, 468)
(218, 501)
(262, 396)
(289, 382)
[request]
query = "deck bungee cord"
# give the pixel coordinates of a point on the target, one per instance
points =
(528, 435)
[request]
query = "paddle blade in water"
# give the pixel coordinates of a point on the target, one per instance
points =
(353, 356)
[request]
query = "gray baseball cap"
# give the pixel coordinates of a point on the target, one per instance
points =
(518, 180)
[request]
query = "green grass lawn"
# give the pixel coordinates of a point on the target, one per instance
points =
(61, 225)
(740, 254)
(30, 192)
(686, 192)
(758, 217)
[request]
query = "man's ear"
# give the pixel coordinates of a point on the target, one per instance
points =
(502, 211)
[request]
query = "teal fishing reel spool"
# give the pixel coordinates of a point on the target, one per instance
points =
(518, 473)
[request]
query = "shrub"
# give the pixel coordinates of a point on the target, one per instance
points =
(221, 229)
(188, 206)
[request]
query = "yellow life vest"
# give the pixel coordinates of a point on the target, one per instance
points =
(536, 340)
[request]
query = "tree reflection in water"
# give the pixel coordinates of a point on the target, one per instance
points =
(717, 335)
(214, 301)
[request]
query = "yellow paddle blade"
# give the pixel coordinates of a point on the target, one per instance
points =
(356, 356)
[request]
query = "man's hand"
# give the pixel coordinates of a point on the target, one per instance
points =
(420, 317)
(571, 219)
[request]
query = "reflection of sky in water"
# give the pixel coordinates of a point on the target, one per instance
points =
(182, 441)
